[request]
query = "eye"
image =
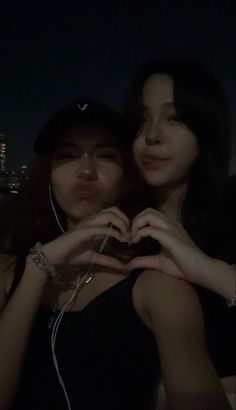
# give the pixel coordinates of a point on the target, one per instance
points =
(65, 155)
(143, 119)
(141, 124)
(173, 118)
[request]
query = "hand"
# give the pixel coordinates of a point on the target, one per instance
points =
(179, 256)
(81, 246)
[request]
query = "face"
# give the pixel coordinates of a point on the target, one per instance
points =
(164, 148)
(87, 172)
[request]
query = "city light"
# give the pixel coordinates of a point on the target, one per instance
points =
(11, 181)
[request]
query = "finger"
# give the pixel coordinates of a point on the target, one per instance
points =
(108, 218)
(77, 241)
(146, 210)
(149, 218)
(93, 231)
(144, 262)
(144, 232)
(92, 257)
(154, 212)
(111, 218)
(163, 236)
(119, 214)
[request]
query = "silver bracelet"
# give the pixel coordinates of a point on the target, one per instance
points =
(41, 261)
(232, 302)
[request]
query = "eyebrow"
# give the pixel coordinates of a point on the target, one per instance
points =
(111, 144)
(66, 145)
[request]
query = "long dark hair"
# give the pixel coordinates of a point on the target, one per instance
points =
(202, 105)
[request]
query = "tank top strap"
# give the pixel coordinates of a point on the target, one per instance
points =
(133, 276)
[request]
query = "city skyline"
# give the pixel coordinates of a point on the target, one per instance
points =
(51, 56)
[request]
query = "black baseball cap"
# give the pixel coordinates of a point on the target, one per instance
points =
(80, 111)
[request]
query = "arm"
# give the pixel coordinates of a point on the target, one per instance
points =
(17, 315)
(179, 256)
(219, 277)
(175, 316)
(15, 325)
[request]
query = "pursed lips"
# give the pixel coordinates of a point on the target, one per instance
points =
(84, 190)
(153, 161)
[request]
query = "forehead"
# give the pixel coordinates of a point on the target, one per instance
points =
(87, 136)
(158, 89)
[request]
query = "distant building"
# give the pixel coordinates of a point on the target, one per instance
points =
(11, 181)
(3, 147)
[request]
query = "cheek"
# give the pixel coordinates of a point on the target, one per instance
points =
(60, 182)
(117, 178)
(62, 175)
(138, 147)
(111, 178)
(188, 152)
(57, 179)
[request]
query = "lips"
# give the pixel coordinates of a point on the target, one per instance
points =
(153, 162)
(84, 191)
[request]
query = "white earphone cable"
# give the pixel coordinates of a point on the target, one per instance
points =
(53, 207)
(80, 283)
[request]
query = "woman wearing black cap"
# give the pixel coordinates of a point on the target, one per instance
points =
(70, 330)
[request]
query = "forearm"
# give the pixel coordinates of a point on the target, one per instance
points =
(219, 277)
(190, 380)
(15, 325)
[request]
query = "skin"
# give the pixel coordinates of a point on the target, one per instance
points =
(103, 168)
(161, 134)
(86, 157)
(87, 220)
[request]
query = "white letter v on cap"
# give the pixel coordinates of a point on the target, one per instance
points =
(82, 107)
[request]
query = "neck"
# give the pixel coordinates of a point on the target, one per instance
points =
(170, 200)
(70, 225)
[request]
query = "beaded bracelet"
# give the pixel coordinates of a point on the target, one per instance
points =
(232, 302)
(41, 261)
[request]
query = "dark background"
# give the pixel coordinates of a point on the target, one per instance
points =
(53, 52)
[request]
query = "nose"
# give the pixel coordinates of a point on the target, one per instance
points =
(154, 134)
(85, 167)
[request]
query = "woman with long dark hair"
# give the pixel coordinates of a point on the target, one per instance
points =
(179, 118)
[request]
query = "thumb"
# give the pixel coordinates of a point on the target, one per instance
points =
(147, 262)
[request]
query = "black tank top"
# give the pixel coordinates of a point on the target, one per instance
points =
(107, 357)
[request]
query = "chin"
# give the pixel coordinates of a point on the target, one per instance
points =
(156, 180)
(83, 210)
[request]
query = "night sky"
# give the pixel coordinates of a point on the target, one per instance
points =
(54, 52)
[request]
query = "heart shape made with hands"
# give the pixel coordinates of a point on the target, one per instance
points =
(131, 240)
(124, 252)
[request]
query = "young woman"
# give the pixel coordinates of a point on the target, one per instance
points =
(181, 122)
(75, 330)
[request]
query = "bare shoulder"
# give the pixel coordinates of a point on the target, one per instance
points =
(7, 266)
(165, 300)
(6, 261)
